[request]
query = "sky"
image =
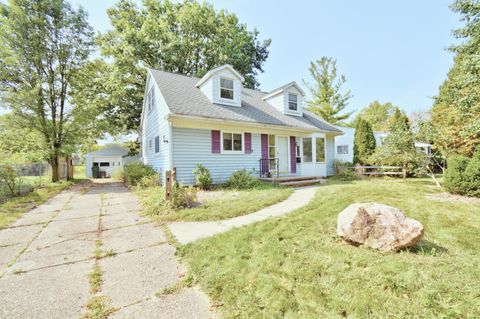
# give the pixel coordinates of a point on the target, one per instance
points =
(391, 51)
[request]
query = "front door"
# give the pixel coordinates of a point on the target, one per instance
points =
(282, 154)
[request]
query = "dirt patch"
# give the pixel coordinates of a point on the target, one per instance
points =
(446, 197)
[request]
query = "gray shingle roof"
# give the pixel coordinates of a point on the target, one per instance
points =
(184, 98)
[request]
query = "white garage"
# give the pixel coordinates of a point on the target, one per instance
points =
(107, 160)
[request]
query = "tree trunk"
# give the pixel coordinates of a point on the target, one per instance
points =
(54, 164)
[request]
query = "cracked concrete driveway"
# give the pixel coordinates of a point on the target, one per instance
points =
(47, 255)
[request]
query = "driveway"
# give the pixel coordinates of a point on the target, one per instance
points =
(46, 258)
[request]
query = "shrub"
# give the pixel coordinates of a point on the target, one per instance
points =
(343, 171)
(119, 174)
(150, 181)
(242, 179)
(462, 175)
(134, 172)
(9, 176)
(203, 177)
(183, 197)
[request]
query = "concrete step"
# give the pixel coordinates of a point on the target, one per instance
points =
(282, 179)
(304, 182)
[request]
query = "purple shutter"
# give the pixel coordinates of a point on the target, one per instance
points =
(215, 141)
(293, 156)
(248, 143)
(264, 142)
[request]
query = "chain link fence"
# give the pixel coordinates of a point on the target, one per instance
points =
(20, 179)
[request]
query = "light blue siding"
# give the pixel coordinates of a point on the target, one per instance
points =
(193, 146)
(155, 125)
(330, 156)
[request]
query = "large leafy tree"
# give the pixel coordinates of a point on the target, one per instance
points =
(363, 142)
(184, 37)
(327, 99)
(377, 114)
(43, 43)
(455, 115)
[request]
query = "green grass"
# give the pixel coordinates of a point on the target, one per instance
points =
(296, 266)
(231, 204)
(14, 207)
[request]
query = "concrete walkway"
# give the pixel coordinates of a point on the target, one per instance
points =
(187, 232)
(47, 255)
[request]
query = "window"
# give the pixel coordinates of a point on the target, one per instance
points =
(342, 149)
(226, 88)
(320, 150)
(157, 144)
(307, 149)
(150, 99)
(271, 146)
(292, 102)
(95, 164)
(232, 142)
(104, 164)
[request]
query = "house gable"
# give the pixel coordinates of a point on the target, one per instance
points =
(222, 85)
(287, 99)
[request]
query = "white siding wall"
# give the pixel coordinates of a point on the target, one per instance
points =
(330, 155)
(193, 146)
(154, 124)
(346, 139)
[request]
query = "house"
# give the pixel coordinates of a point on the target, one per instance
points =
(106, 159)
(344, 143)
(226, 127)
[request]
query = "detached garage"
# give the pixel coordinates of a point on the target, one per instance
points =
(105, 161)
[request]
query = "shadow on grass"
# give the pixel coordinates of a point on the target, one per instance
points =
(427, 248)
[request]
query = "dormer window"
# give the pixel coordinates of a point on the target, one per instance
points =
(292, 102)
(226, 88)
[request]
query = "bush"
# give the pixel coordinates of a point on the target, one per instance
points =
(9, 176)
(134, 172)
(183, 197)
(242, 179)
(119, 174)
(462, 175)
(203, 177)
(150, 181)
(343, 171)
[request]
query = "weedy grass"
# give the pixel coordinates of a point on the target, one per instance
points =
(296, 266)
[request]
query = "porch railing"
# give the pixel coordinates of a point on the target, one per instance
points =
(269, 167)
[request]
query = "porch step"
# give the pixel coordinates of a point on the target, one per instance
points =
(305, 182)
(282, 179)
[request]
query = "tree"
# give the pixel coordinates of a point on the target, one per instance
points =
(377, 114)
(42, 45)
(187, 38)
(327, 100)
(363, 142)
(455, 114)
(399, 146)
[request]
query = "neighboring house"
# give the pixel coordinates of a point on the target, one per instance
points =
(424, 148)
(344, 143)
(217, 122)
(107, 160)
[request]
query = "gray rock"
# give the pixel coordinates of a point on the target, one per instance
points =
(378, 226)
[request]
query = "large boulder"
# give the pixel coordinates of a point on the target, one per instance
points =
(378, 226)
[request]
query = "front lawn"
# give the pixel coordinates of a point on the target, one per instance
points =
(296, 266)
(214, 205)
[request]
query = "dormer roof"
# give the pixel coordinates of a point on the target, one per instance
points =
(283, 88)
(217, 69)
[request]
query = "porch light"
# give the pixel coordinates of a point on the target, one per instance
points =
(165, 139)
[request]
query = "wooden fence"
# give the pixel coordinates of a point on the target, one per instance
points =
(379, 170)
(170, 179)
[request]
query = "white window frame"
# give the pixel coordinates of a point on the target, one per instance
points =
(232, 151)
(344, 148)
(311, 149)
(324, 149)
(150, 98)
(288, 102)
(220, 89)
